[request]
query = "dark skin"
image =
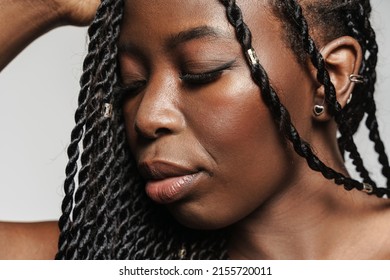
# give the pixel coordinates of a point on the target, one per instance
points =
(278, 206)
(34, 240)
(246, 176)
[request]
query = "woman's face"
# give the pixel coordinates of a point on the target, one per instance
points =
(204, 141)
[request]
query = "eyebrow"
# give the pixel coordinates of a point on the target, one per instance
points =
(173, 41)
(199, 32)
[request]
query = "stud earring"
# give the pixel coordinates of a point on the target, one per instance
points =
(318, 110)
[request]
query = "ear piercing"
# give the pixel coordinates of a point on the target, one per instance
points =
(353, 78)
(357, 79)
(318, 110)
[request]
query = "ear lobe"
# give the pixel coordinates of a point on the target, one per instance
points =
(343, 57)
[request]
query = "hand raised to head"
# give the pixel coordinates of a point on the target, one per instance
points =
(78, 12)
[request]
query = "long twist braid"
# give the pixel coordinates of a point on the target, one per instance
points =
(112, 216)
(86, 114)
(89, 67)
(279, 112)
(142, 229)
(101, 172)
(356, 17)
(124, 231)
(368, 40)
(106, 158)
(82, 208)
(295, 10)
(114, 205)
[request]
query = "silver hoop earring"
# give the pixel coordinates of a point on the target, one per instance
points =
(357, 79)
(318, 110)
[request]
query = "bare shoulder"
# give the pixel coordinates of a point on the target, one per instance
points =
(381, 230)
(370, 237)
(28, 240)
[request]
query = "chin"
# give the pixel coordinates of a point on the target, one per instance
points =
(199, 218)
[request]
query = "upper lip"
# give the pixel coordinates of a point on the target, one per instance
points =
(159, 170)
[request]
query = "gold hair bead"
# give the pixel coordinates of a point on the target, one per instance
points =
(252, 57)
(367, 188)
(107, 110)
(182, 252)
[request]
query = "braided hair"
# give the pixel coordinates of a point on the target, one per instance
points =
(106, 213)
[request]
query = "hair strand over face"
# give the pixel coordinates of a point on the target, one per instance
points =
(108, 215)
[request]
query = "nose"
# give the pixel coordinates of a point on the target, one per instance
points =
(158, 113)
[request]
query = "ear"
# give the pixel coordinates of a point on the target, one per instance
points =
(343, 57)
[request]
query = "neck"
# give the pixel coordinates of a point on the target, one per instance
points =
(313, 219)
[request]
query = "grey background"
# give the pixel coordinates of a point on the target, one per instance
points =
(38, 95)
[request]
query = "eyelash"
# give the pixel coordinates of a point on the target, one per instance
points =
(201, 78)
(123, 91)
(207, 77)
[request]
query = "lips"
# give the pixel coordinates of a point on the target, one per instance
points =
(168, 182)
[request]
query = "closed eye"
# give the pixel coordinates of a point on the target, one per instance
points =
(194, 79)
(202, 78)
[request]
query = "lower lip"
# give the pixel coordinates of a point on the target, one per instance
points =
(171, 189)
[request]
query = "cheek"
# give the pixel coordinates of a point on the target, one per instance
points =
(251, 161)
(234, 123)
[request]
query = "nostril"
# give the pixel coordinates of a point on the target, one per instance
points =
(137, 129)
(151, 133)
(157, 119)
(162, 131)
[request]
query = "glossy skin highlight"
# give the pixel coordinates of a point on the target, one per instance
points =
(190, 104)
(219, 126)
(192, 108)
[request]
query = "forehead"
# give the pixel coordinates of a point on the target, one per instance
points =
(160, 15)
(164, 17)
